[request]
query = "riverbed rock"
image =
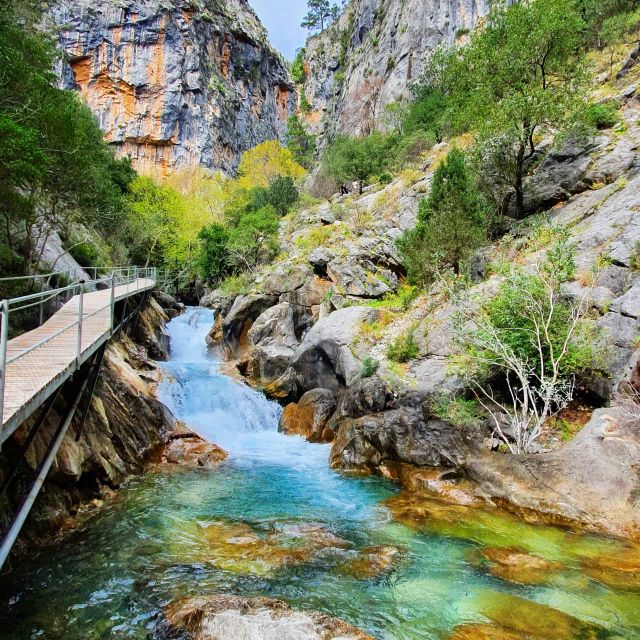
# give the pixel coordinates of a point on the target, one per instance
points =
(187, 448)
(237, 322)
(402, 435)
(272, 343)
(324, 359)
(371, 562)
(517, 565)
(309, 416)
(224, 617)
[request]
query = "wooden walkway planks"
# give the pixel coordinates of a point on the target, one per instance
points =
(32, 377)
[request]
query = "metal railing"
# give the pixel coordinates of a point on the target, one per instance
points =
(31, 311)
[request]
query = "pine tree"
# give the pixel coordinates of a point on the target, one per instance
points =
(321, 14)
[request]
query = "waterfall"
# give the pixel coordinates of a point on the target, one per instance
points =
(222, 410)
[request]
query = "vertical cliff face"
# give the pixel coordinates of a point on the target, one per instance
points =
(175, 83)
(374, 53)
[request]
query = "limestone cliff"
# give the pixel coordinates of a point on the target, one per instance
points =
(174, 83)
(372, 55)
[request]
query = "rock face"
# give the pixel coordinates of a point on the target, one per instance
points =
(219, 617)
(175, 84)
(372, 55)
(125, 424)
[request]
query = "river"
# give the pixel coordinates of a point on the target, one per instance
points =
(275, 520)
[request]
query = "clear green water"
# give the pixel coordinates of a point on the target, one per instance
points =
(160, 538)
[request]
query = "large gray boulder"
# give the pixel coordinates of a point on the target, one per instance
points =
(243, 313)
(402, 435)
(324, 358)
(272, 343)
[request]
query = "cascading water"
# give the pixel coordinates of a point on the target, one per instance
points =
(232, 415)
(274, 520)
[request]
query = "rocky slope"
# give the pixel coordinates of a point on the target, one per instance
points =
(175, 84)
(372, 55)
(125, 425)
(305, 330)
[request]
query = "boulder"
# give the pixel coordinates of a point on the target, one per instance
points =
(240, 318)
(285, 278)
(593, 479)
(149, 330)
(324, 358)
(224, 617)
(309, 417)
(352, 279)
(365, 396)
(272, 343)
(402, 435)
(319, 259)
(187, 448)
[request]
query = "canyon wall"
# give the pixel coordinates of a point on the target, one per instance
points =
(175, 83)
(372, 55)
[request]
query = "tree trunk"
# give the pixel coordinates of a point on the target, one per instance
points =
(361, 187)
(518, 183)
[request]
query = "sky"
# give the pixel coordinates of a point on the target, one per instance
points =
(282, 19)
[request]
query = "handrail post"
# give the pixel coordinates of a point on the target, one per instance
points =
(113, 300)
(80, 312)
(4, 334)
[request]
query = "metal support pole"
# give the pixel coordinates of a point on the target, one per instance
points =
(80, 313)
(41, 313)
(4, 335)
(113, 300)
(43, 469)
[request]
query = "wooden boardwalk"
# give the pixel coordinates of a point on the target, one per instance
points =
(39, 361)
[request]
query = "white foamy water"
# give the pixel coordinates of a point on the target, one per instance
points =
(230, 414)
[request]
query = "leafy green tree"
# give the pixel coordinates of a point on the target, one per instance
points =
(452, 223)
(301, 144)
(281, 194)
(356, 159)
(321, 14)
(254, 239)
(521, 77)
(55, 168)
(297, 67)
(213, 258)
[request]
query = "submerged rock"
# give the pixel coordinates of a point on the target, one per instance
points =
(517, 565)
(222, 617)
(619, 571)
(372, 562)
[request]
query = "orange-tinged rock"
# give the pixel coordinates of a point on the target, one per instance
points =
(620, 571)
(189, 449)
(516, 565)
(372, 562)
(481, 631)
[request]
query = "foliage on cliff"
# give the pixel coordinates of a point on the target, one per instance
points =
(55, 169)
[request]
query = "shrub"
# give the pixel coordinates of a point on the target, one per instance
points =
(386, 178)
(213, 257)
(602, 116)
(456, 410)
(369, 367)
(536, 341)
(403, 348)
(237, 284)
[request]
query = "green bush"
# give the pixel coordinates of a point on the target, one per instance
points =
(297, 67)
(603, 116)
(456, 410)
(85, 254)
(369, 367)
(403, 348)
(385, 178)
